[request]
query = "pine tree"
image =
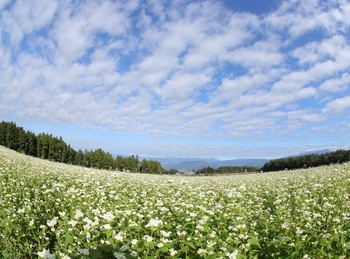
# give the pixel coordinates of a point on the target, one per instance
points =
(12, 136)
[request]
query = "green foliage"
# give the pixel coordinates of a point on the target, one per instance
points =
(52, 209)
(227, 170)
(48, 147)
(312, 160)
(151, 167)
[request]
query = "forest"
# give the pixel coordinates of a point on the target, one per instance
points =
(52, 148)
(306, 161)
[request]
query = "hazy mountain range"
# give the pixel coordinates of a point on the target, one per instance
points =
(187, 163)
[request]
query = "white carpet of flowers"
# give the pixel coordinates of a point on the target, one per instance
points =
(52, 210)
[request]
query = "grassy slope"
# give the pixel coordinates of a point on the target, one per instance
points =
(280, 214)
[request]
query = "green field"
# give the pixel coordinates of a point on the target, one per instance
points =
(53, 210)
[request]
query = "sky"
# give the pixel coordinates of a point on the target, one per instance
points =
(222, 79)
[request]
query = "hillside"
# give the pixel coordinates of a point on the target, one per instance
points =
(55, 210)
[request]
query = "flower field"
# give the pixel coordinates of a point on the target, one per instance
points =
(53, 210)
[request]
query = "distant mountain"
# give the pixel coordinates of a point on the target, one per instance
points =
(317, 152)
(188, 164)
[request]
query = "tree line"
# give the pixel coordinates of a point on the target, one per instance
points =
(52, 148)
(306, 161)
(227, 170)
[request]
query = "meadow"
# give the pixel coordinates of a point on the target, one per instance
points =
(54, 210)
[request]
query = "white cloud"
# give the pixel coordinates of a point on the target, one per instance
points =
(261, 55)
(336, 85)
(337, 106)
(193, 70)
(27, 17)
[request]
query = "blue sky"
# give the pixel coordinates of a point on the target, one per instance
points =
(223, 79)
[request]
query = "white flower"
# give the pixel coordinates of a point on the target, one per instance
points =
(52, 222)
(108, 216)
(133, 254)
(106, 227)
(164, 233)
(119, 236)
(124, 248)
(134, 242)
(148, 238)
(31, 223)
(78, 214)
(232, 255)
(46, 254)
(21, 210)
(63, 256)
(192, 214)
(83, 251)
(299, 231)
(72, 223)
(172, 251)
(119, 255)
(154, 223)
(201, 251)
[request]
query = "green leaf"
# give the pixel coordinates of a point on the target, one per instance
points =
(190, 244)
(109, 233)
(105, 248)
(95, 254)
(69, 239)
(253, 241)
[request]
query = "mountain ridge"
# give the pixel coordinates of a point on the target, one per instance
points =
(192, 163)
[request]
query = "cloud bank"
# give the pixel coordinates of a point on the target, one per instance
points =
(184, 69)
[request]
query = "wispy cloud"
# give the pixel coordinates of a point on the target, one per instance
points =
(186, 69)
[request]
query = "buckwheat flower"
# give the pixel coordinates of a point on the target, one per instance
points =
(124, 248)
(192, 214)
(106, 227)
(72, 223)
(201, 251)
(52, 222)
(83, 251)
(299, 231)
(232, 255)
(154, 223)
(133, 242)
(64, 256)
(21, 210)
(78, 214)
(119, 236)
(165, 240)
(119, 255)
(31, 223)
(148, 238)
(285, 225)
(172, 251)
(164, 233)
(108, 216)
(46, 254)
(160, 245)
(181, 233)
(133, 254)
(210, 243)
